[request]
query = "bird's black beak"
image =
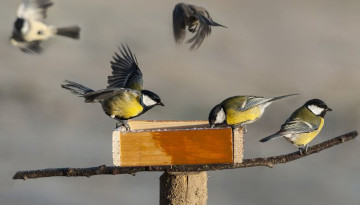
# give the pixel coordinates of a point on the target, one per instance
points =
(328, 109)
(160, 103)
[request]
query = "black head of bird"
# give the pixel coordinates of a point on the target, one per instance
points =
(317, 107)
(217, 116)
(150, 99)
(198, 21)
(18, 26)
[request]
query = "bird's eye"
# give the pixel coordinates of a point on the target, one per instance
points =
(40, 32)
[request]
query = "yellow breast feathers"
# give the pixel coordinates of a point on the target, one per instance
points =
(305, 138)
(125, 105)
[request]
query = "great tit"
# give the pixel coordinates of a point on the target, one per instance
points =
(303, 125)
(240, 110)
(124, 97)
(197, 19)
(30, 29)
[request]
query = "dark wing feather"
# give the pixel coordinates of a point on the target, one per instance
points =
(203, 31)
(253, 101)
(179, 14)
(32, 47)
(125, 71)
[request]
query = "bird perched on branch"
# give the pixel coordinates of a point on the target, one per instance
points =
(303, 125)
(30, 29)
(124, 97)
(240, 110)
(197, 19)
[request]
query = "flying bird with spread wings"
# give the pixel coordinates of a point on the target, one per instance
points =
(124, 98)
(198, 21)
(30, 28)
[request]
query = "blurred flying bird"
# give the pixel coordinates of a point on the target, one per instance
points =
(303, 125)
(124, 97)
(30, 29)
(197, 19)
(240, 110)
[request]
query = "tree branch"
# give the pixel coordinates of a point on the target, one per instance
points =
(103, 169)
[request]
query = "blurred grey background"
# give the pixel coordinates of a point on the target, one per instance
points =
(270, 48)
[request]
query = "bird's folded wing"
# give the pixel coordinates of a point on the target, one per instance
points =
(297, 126)
(253, 101)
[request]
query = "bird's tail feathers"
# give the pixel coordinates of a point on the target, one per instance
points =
(274, 136)
(208, 21)
(71, 32)
(76, 88)
(281, 97)
(217, 24)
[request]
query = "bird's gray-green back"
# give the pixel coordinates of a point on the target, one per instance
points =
(104, 94)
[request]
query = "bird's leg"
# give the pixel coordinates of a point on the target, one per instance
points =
(303, 150)
(306, 148)
(244, 128)
(123, 123)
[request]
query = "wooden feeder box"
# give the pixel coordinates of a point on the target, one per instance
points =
(176, 143)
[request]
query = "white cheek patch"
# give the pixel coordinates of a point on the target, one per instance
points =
(148, 101)
(220, 117)
(25, 27)
(315, 109)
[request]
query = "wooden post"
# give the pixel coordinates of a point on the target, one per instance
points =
(178, 188)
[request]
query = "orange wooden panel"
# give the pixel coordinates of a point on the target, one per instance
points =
(175, 147)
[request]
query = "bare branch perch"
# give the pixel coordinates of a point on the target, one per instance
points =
(103, 169)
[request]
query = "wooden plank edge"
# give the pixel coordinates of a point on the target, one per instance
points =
(116, 150)
(170, 124)
(177, 129)
(238, 145)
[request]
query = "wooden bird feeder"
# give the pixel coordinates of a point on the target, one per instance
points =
(153, 143)
(176, 143)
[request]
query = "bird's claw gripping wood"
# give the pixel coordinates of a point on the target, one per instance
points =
(123, 124)
(304, 150)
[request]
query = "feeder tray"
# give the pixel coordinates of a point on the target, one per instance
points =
(151, 143)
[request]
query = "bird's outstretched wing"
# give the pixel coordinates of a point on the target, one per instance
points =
(181, 11)
(125, 71)
(32, 47)
(33, 9)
